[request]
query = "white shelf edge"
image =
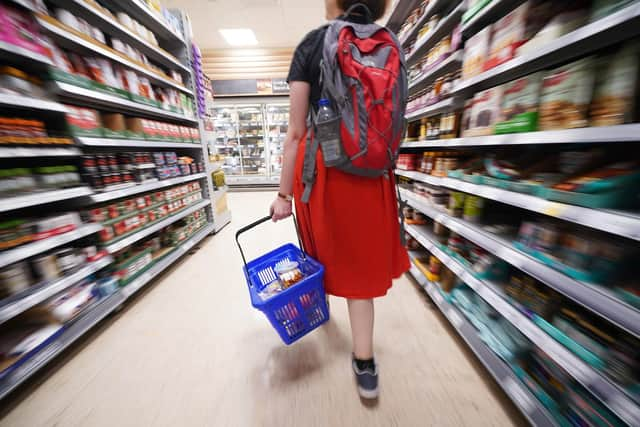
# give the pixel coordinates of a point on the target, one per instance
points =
(142, 188)
(24, 54)
(147, 231)
(94, 97)
(29, 102)
(139, 282)
(421, 21)
(40, 198)
(150, 19)
(34, 248)
(524, 400)
(113, 142)
(489, 9)
(79, 41)
(619, 223)
(43, 151)
(608, 393)
(25, 300)
(589, 135)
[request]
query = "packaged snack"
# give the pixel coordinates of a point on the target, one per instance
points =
(19, 28)
(560, 24)
(485, 111)
(508, 35)
(83, 121)
(566, 93)
(476, 51)
(114, 124)
(519, 112)
(614, 98)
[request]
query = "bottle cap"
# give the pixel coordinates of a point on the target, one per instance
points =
(324, 102)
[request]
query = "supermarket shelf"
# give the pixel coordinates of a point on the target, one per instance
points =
(166, 262)
(96, 17)
(221, 220)
(94, 98)
(138, 143)
(16, 54)
(40, 198)
(30, 103)
(431, 9)
(593, 297)
(33, 296)
(147, 231)
(150, 19)
(620, 133)
(91, 317)
(41, 151)
(625, 224)
(488, 15)
(610, 395)
(609, 30)
(400, 10)
(74, 41)
(434, 109)
(30, 249)
(445, 26)
(143, 188)
(453, 62)
(526, 402)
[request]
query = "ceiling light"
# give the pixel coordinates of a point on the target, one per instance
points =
(239, 36)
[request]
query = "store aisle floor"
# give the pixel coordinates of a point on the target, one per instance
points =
(190, 351)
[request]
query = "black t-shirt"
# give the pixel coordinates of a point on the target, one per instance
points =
(305, 65)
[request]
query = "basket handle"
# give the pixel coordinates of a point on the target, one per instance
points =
(258, 222)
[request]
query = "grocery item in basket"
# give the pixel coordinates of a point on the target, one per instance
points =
(566, 93)
(289, 273)
(485, 111)
(519, 112)
(476, 51)
(614, 98)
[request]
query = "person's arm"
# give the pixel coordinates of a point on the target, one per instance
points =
(298, 110)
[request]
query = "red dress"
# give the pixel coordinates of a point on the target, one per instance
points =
(351, 226)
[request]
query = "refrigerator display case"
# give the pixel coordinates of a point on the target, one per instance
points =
(249, 139)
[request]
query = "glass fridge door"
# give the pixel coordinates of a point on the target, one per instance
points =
(252, 146)
(225, 128)
(277, 126)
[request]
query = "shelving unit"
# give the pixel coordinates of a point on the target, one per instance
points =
(500, 371)
(40, 198)
(431, 8)
(604, 302)
(172, 53)
(400, 10)
(625, 224)
(612, 396)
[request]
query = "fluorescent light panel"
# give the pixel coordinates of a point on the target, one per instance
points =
(239, 36)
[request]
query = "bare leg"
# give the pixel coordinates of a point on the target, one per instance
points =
(361, 317)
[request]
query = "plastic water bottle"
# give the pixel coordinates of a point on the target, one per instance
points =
(328, 133)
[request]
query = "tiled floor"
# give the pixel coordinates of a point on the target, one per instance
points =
(190, 351)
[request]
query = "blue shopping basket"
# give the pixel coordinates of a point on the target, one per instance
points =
(295, 311)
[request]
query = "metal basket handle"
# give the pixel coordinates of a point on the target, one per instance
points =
(258, 222)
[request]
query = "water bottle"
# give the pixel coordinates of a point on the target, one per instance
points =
(328, 133)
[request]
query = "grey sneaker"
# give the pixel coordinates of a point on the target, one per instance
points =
(367, 380)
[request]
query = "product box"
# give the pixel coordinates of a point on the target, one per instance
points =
(485, 111)
(566, 93)
(473, 7)
(614, 98)
(508, 35)
(476, 51)
(83, 122)
(519, 112)
(135, 128)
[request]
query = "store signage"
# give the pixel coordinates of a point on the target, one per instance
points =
(247, 87)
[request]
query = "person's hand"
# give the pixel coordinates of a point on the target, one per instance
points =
(280, 209)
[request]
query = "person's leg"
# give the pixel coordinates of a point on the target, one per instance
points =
(364, 367)
(361, 317)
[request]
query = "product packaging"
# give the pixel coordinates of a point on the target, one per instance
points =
(476, 51)
(485, 111)
(83, 122)
(520, 100)
(566, 93)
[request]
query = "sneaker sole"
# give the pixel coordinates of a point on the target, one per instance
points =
(367, 394)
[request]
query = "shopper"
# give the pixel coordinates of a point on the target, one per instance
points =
(350, 223)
